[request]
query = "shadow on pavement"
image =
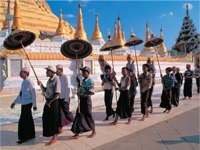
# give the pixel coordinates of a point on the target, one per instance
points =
(188, 139)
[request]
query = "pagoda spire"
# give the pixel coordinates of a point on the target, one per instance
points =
(60, 30)
(115, 32)
(96, 35)
(123, 35)
(80, 32)
(147, 32)
(187, 11)
(162, 50)
(17, 24)
(119, 36)
(5, 25)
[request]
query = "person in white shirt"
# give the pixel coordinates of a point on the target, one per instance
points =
(108, 84)
(66, 117)
(27, 99)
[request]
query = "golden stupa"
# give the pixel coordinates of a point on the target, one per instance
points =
(96, 35)
(115, 32)
(162, 50)
(147, 50)
(80, 31)
(119, 35)
(35, 16)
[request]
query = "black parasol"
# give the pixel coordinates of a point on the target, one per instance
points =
(75, 47)
(154, 41)
(18, 37)
(133, 41)
(110, 45)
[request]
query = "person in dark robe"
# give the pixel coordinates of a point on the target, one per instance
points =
(132, 90)
(166, 97)
(124, 108)
(50, 116)
(27, 99)
(197, 76)
(178, 79)
(108, 86)
(66, 117)
(188, 75)
(152, 70)
(145, 82)
(85, 90)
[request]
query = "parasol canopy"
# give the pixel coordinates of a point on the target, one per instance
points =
(18, 37)
(133, 41)
(154, 41)
(74, 47)
(110, 45)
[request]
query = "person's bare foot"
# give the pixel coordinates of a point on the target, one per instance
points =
(113, 123)
(165, 111)
(143, 118)
(151, 111)
(91, 135)
(129, 122)
(51, 142)
(76, 136)
(60, 131)
(168, 111)
(183, 98)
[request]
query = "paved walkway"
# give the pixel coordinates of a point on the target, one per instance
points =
(107, 133)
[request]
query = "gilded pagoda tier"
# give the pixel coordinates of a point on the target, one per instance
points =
(36, 16)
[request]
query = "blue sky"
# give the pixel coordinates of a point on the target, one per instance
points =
(168, 14)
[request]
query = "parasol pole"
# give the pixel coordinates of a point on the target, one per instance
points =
(158, 61)
(112, 59)
(77, 83)
(136, 61)
(113, 70)
(29, 60)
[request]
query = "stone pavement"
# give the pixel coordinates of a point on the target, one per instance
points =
(107, 133)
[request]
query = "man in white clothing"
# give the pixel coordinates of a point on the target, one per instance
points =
(27, 99)
(66, 117)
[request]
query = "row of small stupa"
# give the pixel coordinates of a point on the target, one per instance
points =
(65, 31)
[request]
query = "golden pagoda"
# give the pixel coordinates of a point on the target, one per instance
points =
(5, 25)
(60, 30)
(123, 35)
(96, 35)
(162, 50)
(146, 51)
(80, 32)
(119, 35)
(115, 32)
(17, 23)
(35, 15)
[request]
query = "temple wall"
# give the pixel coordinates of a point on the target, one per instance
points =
(12, 84)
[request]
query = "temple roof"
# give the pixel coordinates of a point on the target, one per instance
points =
(35, 16)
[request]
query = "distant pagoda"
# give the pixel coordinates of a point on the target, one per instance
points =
(187, 37)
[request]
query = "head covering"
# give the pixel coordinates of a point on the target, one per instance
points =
(188, 65)
(59, 66)
(26, 69)
(169, 69)
(52, 68)
(85, 69)
(101, 58)
(128, 56)
(146, 65)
